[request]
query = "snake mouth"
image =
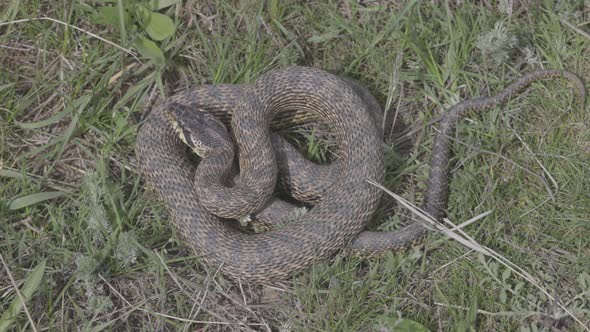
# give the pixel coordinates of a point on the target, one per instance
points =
(196, 128)
(173, 116)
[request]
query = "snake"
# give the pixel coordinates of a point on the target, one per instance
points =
(337, 221)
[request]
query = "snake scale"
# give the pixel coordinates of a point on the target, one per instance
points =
(338, 219)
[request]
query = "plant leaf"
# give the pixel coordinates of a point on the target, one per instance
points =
(31, 199)
(409, 325)
(30, 286)
(136, 89)
(108, 15)
(46, 122)
(10, 11)
(160, 26)
(79, 105)
(317, 39)
(6, 86)
(11, 174)
(150, 50)
(142, 14)
(161, 4)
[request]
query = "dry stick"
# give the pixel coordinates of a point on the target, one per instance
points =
(55, 184)
(489, 313)
(575, 28)
(18, 293)
(172, 275)
(393, 84)
(463, 238)
(161, 314)
(45, 18)
(212, 282)
(526, 146)
(26, 223)
(495, 154)
(444, 266)
(181, 288)
(234, 301)
(537, 206)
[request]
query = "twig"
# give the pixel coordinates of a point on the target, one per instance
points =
(18, 293)
(575, 28)
(460, 236)
(165, 315)
(45, 18)
(488, 313)
(526, 146)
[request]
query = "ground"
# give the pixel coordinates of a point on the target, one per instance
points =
(89, 247)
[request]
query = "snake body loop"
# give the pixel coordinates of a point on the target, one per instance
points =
(337, 220)
(327, 227)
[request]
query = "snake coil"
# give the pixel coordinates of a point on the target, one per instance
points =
(338, 219)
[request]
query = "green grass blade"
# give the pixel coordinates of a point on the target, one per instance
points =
(10, 12)
(28, 289)
(31, 199)
(123, 28)
(44, 123)
(10, 174)
(6, 86)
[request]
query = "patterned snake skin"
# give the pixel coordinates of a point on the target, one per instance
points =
(338, 219)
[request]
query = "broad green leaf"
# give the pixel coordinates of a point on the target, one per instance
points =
(161, 4)
(30, 286)
(142, 14)
(110, 16)
(31, 199)
(160, 27)
(150, 50)
(11, 174)
(85, 8)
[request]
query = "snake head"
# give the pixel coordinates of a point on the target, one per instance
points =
(200, 130)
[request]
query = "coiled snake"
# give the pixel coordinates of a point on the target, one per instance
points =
(337, 221)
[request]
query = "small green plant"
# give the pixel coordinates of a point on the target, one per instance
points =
(141, 21)
(496, 45)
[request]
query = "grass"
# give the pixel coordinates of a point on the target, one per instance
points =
(70, 109)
